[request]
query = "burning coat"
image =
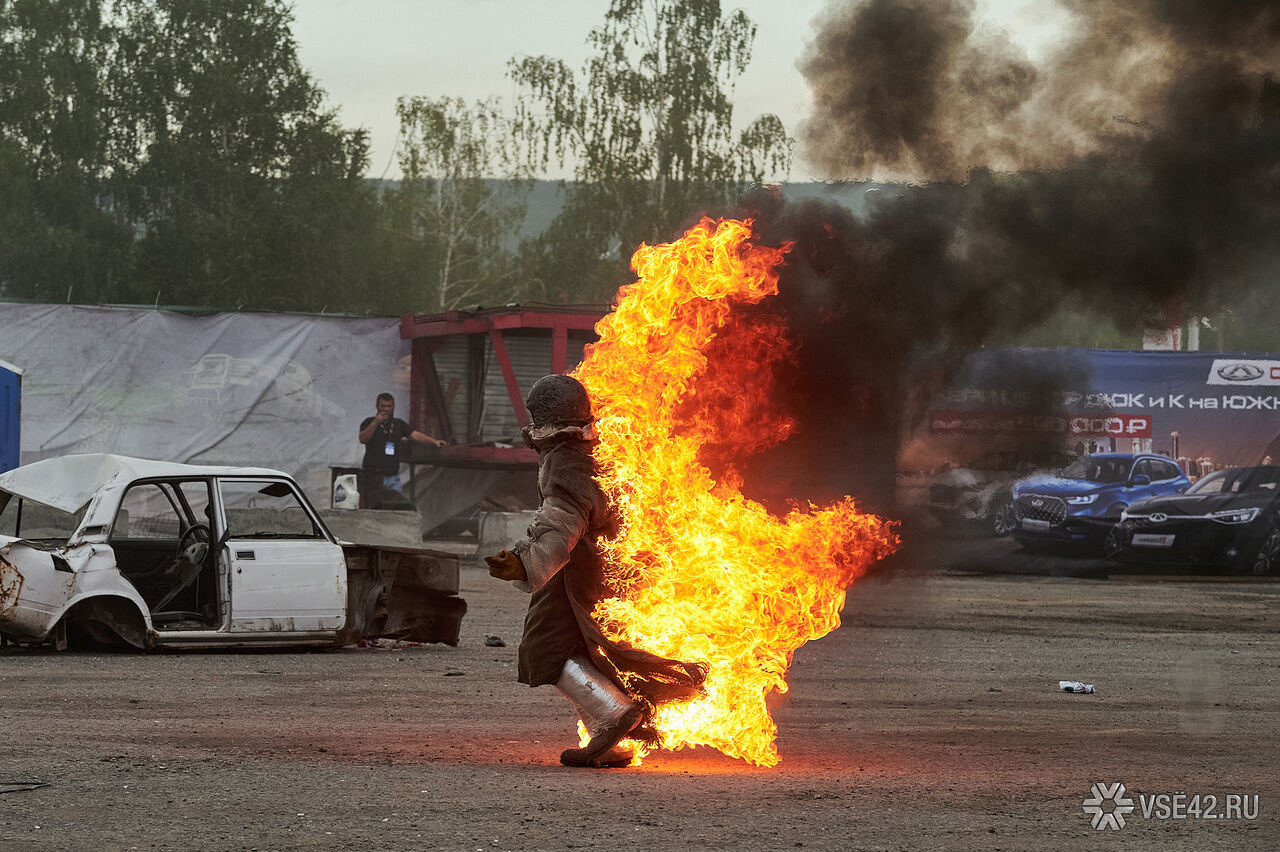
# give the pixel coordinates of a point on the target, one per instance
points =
(565, 576)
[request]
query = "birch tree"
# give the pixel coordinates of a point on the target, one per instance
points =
(646, 128)
(460, 201)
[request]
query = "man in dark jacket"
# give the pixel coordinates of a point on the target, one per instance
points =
(611, 685)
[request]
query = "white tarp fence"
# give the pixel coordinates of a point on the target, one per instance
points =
(268, 390)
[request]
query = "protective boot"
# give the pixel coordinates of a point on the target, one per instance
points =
(623, 753)
(615, 758)
(608, 713)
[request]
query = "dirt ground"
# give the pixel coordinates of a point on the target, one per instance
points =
(931, 719)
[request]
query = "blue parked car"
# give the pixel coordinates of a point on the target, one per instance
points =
(1080, 505)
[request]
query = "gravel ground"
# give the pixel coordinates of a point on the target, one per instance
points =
(930, 720)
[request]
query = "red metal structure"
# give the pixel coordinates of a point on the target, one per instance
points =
(455, 393)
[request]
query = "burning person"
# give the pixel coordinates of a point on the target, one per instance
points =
(613, 687)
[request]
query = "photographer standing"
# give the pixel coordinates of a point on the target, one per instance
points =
(381, 435)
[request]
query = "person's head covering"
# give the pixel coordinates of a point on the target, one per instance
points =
(558, 400)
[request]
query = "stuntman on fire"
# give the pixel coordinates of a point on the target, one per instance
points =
(612, 687)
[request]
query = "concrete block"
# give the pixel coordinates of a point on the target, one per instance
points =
(500, 530)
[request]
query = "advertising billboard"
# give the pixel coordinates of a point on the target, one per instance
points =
(1215, 409)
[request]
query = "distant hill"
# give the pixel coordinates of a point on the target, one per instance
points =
(546, 199)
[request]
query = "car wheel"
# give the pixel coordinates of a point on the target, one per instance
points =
(1114, 542)
(1003, 520)
(1268, 556)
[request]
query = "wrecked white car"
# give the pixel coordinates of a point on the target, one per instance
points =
(122, 551)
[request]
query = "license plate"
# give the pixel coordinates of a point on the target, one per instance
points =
(1152, 540)
(1035, 524)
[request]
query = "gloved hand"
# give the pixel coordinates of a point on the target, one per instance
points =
(505, 565)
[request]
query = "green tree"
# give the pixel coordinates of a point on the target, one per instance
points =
(647, 129)
(229, 164)
(175, 151)
(459, 202)
(58, 239)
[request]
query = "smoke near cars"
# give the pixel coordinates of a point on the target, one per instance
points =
(1132, 170)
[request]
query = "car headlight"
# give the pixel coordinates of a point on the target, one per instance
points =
(1235, 516)
(1081, 500)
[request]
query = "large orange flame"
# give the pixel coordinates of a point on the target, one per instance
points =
(681, 382)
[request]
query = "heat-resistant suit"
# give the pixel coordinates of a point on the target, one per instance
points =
(565, 575)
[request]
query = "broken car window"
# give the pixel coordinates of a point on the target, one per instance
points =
(23, 519)
(147, 511)
(262, 509)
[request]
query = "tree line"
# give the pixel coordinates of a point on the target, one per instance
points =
(177, 153)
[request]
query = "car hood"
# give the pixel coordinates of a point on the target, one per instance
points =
(69, 482)
(1048, 484)
(1176, 505)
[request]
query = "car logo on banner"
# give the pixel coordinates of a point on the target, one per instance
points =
(1241, 372)
(1244, 373)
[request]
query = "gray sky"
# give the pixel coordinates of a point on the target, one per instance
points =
(366, 53)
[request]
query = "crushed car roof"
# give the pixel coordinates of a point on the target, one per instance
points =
(69, 482)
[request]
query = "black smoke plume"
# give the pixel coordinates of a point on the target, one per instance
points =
(1135, 169)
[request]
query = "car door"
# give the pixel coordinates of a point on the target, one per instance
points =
(1159, 479)
(1133, 490)
(284, 574)
(156, 521)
